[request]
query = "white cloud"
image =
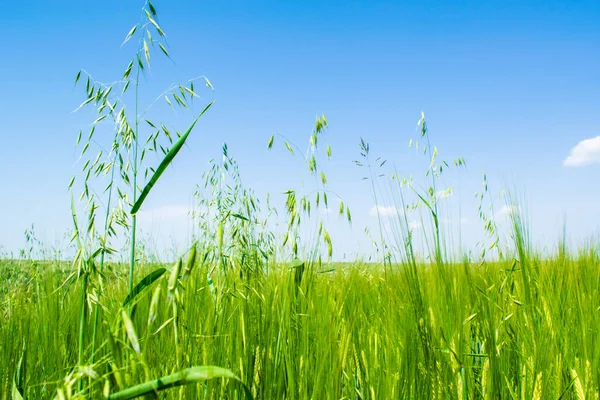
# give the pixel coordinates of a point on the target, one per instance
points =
(449, 221)
(414, 225)
(384, 211)
(585, 152)
(504, 213)
(391, 228)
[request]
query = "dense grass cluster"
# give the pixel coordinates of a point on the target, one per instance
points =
(353, 332)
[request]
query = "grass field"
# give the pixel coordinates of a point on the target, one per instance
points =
(446, 331)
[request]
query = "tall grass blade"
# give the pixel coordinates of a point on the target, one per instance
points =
(185, 377)
(166, 161)
(143, 285)
(18, 378)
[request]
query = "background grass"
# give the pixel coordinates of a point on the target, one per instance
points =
(349, 333)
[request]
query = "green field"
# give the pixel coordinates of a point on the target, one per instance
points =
(521, 330)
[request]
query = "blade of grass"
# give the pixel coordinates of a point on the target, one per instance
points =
(184, 377)
(166, 161)
(143, 285)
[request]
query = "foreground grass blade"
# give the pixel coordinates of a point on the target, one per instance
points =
(143, 285)
(165, 162)
(184, 377)
(18, 378)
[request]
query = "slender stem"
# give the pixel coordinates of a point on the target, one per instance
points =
(176, 334)
(381, 236)
(135, 172)
(101, 266)
(438, 250)
(84, 285)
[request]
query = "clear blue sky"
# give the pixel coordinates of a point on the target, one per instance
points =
(512, 86)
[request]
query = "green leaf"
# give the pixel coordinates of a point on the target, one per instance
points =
(184, 377)
(77, 77)
(165, 162)
(133, 339)
(270, 144)
(143, 285)
(18, 378)
(299, 267)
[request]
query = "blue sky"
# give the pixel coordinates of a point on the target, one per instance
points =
(511, 86)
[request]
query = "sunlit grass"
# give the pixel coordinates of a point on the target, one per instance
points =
(351, 332)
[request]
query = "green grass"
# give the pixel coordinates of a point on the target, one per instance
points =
(351, 333)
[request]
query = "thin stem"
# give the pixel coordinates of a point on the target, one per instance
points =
(381, 237)
(102, 254)
(135, 172)
(82, 323)
(438, 250)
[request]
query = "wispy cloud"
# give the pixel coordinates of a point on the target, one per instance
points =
(584, 153)
(390, 227)
(384, 211)
(414, 225)
(504, 213)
